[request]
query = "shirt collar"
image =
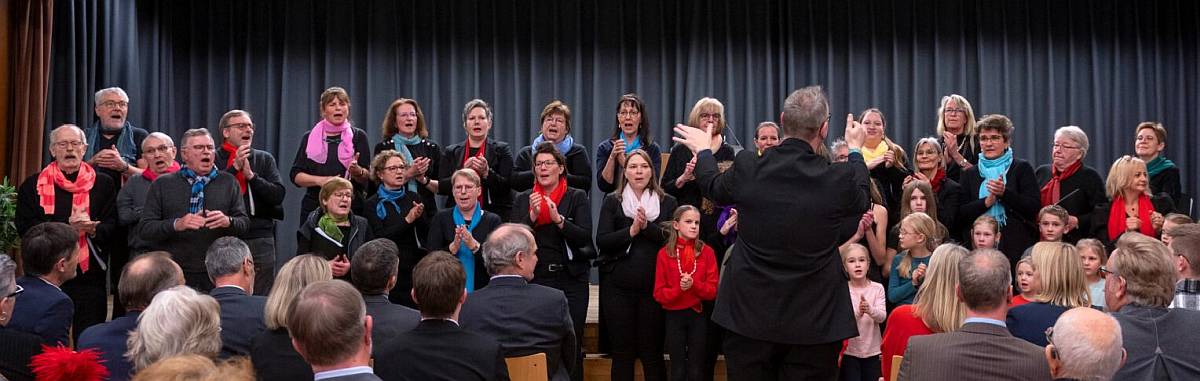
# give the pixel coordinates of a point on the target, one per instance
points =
(985, 321)
(507, 276)
(342, 372)
(447, 319)
(1190, 286)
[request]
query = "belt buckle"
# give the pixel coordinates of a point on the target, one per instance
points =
(555, 267)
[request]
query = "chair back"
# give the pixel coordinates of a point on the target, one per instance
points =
(894, 373)
(527, 368)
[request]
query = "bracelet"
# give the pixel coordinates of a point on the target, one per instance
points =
(853, 150)
(426, 181)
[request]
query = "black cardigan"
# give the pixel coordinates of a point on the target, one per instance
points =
(497, 192)
(1167, 183)
(579, 171)
(427, 149)
(553, 242)
(1021, 203)
(628, 262)
(1089, 193)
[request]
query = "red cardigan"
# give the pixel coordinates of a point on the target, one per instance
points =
(902, 324)
(666, 281)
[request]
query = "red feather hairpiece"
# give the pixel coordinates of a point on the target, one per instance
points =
(62, 364)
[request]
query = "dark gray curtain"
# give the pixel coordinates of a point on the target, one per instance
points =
(1103, 65)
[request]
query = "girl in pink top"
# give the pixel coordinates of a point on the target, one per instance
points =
(861, 358)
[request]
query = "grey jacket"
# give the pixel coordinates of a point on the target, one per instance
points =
(168, 199)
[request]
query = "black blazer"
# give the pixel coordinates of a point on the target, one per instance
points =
(948, 202)
(274, 358)
(439, 350)
(390, 320)
(579, 171)
(16, 349)
(409, 238)
(1089, 192)
(784, 281)
(497, 189)
(241, 319)
(427, 149)
(112, 339)
(553, 242)
(43, 310)
(267, 190)
(628, 262)
(526, 319)
(441, 234)
(1166, 183)
(605, 149)
(1022, 201)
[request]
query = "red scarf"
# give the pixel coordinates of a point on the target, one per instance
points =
(151, 175)
(555, 195)
(939, 178)
(241, 177)
(467, 155)
(687, 252)
(80, 190)
(1116, 216)
(1050, 191)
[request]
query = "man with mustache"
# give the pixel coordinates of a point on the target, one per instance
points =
(261, 190)
(116, 143)
(187, 210)
(71, 191)
(159, 151)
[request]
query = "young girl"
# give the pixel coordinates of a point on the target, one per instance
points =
(1025, 278)
(861, 360)
(985, 232)
(1092, 254)
(685, 275)
(918, 238)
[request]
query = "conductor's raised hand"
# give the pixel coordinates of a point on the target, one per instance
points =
(855, 134)
(693, 138)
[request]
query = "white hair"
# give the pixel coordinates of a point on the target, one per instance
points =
(1074, 133)
(1088, 343)
(179, 321)
(113, 90)
(82, 136)
(160, 136)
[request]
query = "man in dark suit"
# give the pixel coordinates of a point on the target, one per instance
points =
(331, 330)
(982, 349)
(373, 271)
(438, 349)
(50, 259)
(783, 296)
(262, 192)
(231, 268)
(142, 278)
(526, 318)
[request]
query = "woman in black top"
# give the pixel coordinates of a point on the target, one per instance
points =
(1002, 186)
(629, 236)
(331, 232)
(333, 148)
(956, 133)
(927, 159)
(561, 219)
(886, 162)
(462, 228)
(1068, 183)
(398, 215)
(679, 178)
(491, 160)
(556, 129)
(1164, 174)
(406, 132)
(632, 132)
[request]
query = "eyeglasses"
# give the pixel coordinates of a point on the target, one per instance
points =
(1050, 335)
(546, 163)
(114, 104)
(1064, 146)
(954, 110)
(160, 149)
(394, 168)
(241, 126)
(342, 194)
(16, 292)
(705, 115)
(69, 144)
(991, 138)
(203, 147)
(1105, 270)
(624, 114)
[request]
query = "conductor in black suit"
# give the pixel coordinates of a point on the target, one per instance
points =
(438, 349)
(526, 318)
(783, 296)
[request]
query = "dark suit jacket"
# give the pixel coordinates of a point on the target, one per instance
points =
(274, 358)
(1021, 202)
(43, 310)
(1173, 330)
(1030, 320)
(241, 319)
(526, 319)
(784, 281)
(390, 320)
(977, 351)
(497, 191)
(1089, 192)
(16, 349)
(110, 339)
(439, 350)
(355, 377)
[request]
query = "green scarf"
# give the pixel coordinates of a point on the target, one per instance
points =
(1159, 164)
(329, 225)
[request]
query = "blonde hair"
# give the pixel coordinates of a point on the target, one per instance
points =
(848, 249)
(924, 225)
(468, 174)
(298, 272)
(1095, 245)
(1060, 271)
(901, 157)
(333, 185)
(1122, 174)
(968, 123)
(197, 368)
(707, 104)
(986, 219)
(178, 321)
(937, 302)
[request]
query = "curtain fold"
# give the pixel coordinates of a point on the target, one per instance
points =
(27, 73)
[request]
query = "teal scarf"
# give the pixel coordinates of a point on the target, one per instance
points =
(1159, 164)
(563, 147)
(992, 169)
(401, 144)
(464, 254)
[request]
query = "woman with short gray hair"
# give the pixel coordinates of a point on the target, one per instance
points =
(179, 321)
(1068, 183)
(490, 159)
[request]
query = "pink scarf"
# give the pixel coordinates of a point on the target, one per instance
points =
(317, 149)
(80, 190)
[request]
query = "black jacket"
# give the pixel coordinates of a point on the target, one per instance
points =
(628, 262)
(526, 319)
(16, 349)
(331, 167)
(497, 188)
(427, 149)
(409, 238)
(579, 171)
(389, 320)
(439, 350)
(241, 319)
(310, 238)
(1021, 202)
(1088, 188)
(441, 234)
(553, 242)
(274, 358)
(263, 199)
(605, 149)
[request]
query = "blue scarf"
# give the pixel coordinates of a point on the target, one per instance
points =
(196, 201)
(125, 144)
(464, 254)
(991, 169)
(632, 145)
(563, 147)
(387, 196)
(401, 144)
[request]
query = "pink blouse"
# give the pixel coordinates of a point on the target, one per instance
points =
(868, 340)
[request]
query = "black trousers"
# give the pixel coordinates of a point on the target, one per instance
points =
(89, 292)
(860, 369)
(687, 337)
(263, 251)
(576, 290)
(633, 322)
(752, 359)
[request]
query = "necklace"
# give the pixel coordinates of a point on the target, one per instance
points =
(679, 264)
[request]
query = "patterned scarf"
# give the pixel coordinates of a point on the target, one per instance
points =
(400, 144)
(318, 150)
(992, 169)
(1052, 191)
(80, 190)
(198, 183)
(464, 254)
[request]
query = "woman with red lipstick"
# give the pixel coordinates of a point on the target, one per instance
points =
(406, 132)
(631, 133)
(629, 236)
(1163, 173)
(491, 160)
(1130, 207)
(1068, 183)
(556, 129)
(334, 148)
(956, 132)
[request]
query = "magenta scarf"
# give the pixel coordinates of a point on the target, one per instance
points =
(317, 149)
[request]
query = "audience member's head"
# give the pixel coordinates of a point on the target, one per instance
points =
(1085, 344)
(229, 263)
(511, 250)
(439, 285)
(1186, 246)
(985, 281)
(146, 276)
(330, 327)
(839, 151)
(1170, 221)
(936, 302)
(374, 266)
(8, 288)
(1058, 275)
(298, 272)
(49, 250)
(1140, 271)
(178, 321)
(197, 368)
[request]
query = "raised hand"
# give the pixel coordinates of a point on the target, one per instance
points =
(855, 133)
(694, 139)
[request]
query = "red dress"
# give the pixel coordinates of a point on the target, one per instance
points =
(1018, 300)
(901, 325)
(704, 281)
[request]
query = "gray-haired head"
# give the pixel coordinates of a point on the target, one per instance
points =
(225, 257)
(1087, 344)
(8, 276)
(374, 265)
(160, 136)
(1076, 135)
(501, 248)
(984, 279)
(114, 90)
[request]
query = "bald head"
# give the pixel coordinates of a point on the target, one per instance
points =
(1086, 345)
(501, 249)
(146, 276)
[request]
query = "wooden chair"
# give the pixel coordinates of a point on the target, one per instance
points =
(894, 373)
(662, 169)
(527, 368)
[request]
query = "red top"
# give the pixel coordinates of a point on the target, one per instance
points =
(902, 324)
(1018, 300)
(704, 280)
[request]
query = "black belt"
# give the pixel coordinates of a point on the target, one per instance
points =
(555, 267)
